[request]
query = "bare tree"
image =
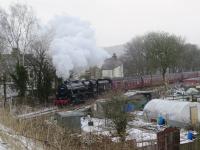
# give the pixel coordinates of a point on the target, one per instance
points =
(190, 58)
(114, 110)
(18, 26)
(163, 50)
(135, 57)
(160, 52)
(43, 68)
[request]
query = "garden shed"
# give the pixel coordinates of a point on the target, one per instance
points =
(176, 113)
(70, 120)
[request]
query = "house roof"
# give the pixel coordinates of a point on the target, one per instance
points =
(111, 63)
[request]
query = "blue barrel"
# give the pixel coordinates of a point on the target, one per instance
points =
(161, 120)
(129, 107)
(190, 135)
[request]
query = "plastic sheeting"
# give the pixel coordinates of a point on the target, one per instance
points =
(191, 91)
(171, 110)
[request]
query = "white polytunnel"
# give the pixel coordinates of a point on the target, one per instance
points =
(176, 113)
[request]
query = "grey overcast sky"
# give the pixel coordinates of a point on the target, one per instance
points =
(117, 21)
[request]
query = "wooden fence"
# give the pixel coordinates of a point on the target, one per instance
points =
(191, 146)
(186, 146)
(147, 145)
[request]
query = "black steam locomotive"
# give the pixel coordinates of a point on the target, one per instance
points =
(78, 91)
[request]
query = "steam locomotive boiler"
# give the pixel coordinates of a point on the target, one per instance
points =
(78, 91)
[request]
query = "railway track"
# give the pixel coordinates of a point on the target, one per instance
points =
(47, 111)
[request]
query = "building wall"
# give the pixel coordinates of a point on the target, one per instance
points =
(118, 71)
(107, 73)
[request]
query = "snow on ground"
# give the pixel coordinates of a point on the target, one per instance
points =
(152, 127)
(138, 129)
(97, 128)
(140, 135)
(100, 128)
(27, 143)
(183, 136)
(138, 122)
(3, 145)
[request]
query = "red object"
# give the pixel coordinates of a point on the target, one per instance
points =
(59, 102)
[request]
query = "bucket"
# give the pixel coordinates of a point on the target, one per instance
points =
(190, 135)
(161, 120)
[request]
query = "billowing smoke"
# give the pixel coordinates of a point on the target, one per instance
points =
(74, 46)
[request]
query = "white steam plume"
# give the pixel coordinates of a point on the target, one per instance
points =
(74, 45)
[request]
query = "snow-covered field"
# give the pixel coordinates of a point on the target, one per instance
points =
(138, 129)
(101, 128)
